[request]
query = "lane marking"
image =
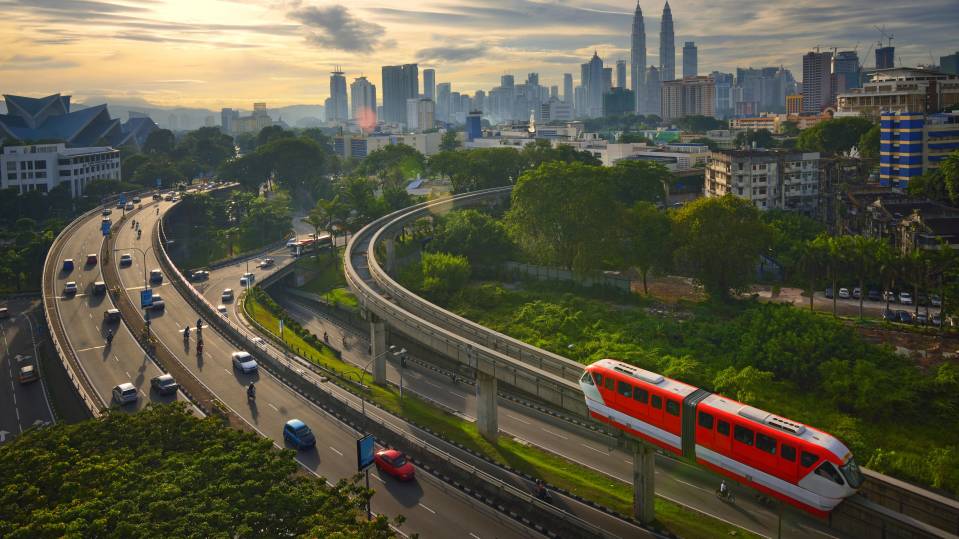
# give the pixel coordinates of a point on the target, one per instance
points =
(558, 435)
(335, 450)
(594, 449)
(128, 375)
(270, 404)
(474, 536)
(91, 348)
(692, 485)
(378, 478)
(521, 420)
(427, 508)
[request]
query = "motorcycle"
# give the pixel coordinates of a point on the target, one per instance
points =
(541, 492)
(110, 338)
(726, 496)
(251, 392)
(138, 233)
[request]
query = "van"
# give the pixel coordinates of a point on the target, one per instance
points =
(156, 276)
(68, 265)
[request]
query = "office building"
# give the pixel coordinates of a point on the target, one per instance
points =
(689, 96)
(765, 88)
(443, 95)
(429, 84)
(902, 90)
(474, 125)
(949, 64)
(338, 109)
(769, 179)
(607, 80)
(654, 92)
(359, 146)
(363, 102)
(637, 59)
(228, 120)
(845, 71)
(555, 110)
(399, 84)
(43, 167)
(794, 104)
(554, 92)
(724, 94)
(420, 114)
(621, 73)
(618, 101)
(817, 88)
(886, 57)
(913, 143)
(667, 46)
(568, 88)
(690, 60)
(594, 83)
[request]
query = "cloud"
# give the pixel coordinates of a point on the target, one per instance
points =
(334, 27)
(26, 62)
(451, 53)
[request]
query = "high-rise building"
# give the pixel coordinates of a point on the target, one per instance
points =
(690, 60)
(607, 80)
(554, 92)
(568, 88)
(474, 125)
(618, 101)
(363, 101)
(689, 96)
(654, 90)
(420, 114)
(399, 84)
(637, 60)
(845, 72)
(593, 81)
(532, 79)
(429, 83)
(507, 81)
(667, 46)
(816, 81)
(949, 64)
(724, 94)
(794, 104)
(443, 93)
(902, 90)
(338, 98)
(914, 143)
(621, 73)
(885, 57)
(228, 119)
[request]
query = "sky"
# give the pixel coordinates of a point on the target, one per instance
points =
(230, 53)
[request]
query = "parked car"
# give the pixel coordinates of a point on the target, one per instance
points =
(67, 265)
(70, 288)
(125, 393)
(394, 463)
(905, 317)
(905, 298)
(99, 288)
(935, 300)
(111, 315)
(156, 276)
(843, 293)
(244, 362)
(829, 292)
(297, 434)
(874, 295)
(126, 259)
(857, 292)
(889, 295)
(227, 295)
(890, 315)
(164, 384)
(935, 319)
(922, 318)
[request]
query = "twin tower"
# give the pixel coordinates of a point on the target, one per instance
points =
(667, 55)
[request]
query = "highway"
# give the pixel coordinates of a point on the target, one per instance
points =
(429, 508)
(22, 406)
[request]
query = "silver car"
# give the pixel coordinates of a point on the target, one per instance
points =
(244, 362)
(125, 393)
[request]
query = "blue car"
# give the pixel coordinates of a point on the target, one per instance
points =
(298, 434)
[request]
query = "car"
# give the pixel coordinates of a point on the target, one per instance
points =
(126, 259)
(119, 205)
(168, 197)
(935, 300)
(394, 463)
(844, 293)
(905, 298)
(249, 277)
(889, 295)
(221, 308)
(99, 288)
(244, 362)
(70, 288)
(201, 275)
(890, 315)
(244, 282)
(829, 292)
(156, 196)
(935, 319)
(125, 393)
(67, 265)
(91, 259)
(136, 200)
(106, 211)
(297, 434)
(905, 317)
(129, 206)
(157, 304)
(922, 318)
(857, 292)
(292, 242)
(164, 384)
(156, 276)
(227, 295)
(259, 342)
(27, 371)
(267, 262)
(4, 313)
(873, 295)
(111, 315)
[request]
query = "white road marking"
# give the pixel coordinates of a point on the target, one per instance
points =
(692, 485)
(378, 478)
(521, 420)
(427, 508)
(226, 371)
(91, 348)
(128, 375)
(270, 404)
(335, 450)
(593, 448)
(558, 435)
(474, 536)
(116, 358)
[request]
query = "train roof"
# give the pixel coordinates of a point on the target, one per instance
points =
(673, 386)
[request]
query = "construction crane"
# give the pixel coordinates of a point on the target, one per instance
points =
(884, 35)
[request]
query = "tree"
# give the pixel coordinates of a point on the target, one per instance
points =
(930, 185)
(791, 231)
(647, 239)
(864, 259)
(635, 181)
(699, 124)
(869, 143)
(129, 166)
(473, 234)
(632, 138)
(400, 156)
(744, 384)
(833, 137)
(270, 133)
(449, 142)
(712, 144)
(790, 129)
(542, 151)
(160, 141)
(324, 216)
(812, 262)
(208, 146)
(444, 275)
(950, 175)
(762, 138)
(720, 240)
(299, 164)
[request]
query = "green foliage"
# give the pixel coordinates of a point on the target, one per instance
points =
(270, 133)
(743, 384)
(299, 164)
(444, 275)
(869, 143)
(161, 141)
(790, 129)
(163, 472)
(639, 181)
(473, 234)
(930, 185)
(762, 138)
(632, 138)
(261, 298)
(950, 176)
(712, 144)
(542, 151)
(481, 168)
(449, 142)
(719, 241)
(791, 231)
(833, 137)
(393, 157)
(647, 241)
(700, 124)
(626, 122)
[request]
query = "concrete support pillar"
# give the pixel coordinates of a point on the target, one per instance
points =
(644, 479)
(486, 410)
(378, 340)
(390, 245)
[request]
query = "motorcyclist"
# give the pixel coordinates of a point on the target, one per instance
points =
(540, 489)
(326, 337)
(723, 489)
(251, 391)
(138, 233)
(199, 346)
(186, 332)
(109, 336)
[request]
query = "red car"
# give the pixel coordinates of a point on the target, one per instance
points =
(394, 463)
(92, 259)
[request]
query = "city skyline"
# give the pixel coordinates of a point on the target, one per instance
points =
(283, 51)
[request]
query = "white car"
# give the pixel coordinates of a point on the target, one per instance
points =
(259, 342)
(905, 298)
(844, 293)
(125, 393)
(244, 362)
(70, 288)
(267, 262)
(221, 308)
(227, 295)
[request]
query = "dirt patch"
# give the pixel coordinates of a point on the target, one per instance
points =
(671, 289)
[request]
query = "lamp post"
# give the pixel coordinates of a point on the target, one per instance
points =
(142, 252)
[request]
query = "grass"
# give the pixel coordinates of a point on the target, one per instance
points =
(329, 281)
(555, 470)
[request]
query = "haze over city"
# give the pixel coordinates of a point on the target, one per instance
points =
(229, 53)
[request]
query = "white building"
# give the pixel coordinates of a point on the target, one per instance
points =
(769, 179)
(42, 167)
(420, 114)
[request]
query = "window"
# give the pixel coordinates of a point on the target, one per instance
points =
(672, 407)
(599, 379)
(610, 383)
(705, 420)
(40, 165)
(641, 395)
(788, 452)
(808, 459)
(586, 379)
(827, 470)
(722, 427)
(743, 435)
(624, 389)
(766, 443)
(657, 402)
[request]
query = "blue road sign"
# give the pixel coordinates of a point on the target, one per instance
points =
(105, 227)
(364, 452)
(123, 199)
(146, 297)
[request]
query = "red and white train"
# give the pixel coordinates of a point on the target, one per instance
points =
(800, 465)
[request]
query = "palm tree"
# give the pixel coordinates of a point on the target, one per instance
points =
(862, 256)
(323, 216)
(813, 259)
(837, 262)
(889, 268)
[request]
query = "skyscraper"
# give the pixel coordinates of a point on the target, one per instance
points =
(443, 92)
(885, 57)
(507, 81)
(816, 81)
(653, 92)
(594, 83)
(567, 87)
(399, 84)
(338, 99)
(429, 83)
(621, 74)
(845, 71)
(638, 57)
(363, 101)
(667, 46)
(690, 60)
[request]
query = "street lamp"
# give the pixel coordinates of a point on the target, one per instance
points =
(142, 252)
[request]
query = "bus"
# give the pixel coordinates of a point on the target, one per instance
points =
(310, 244)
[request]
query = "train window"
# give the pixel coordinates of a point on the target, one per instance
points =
(722, 427)
(743, 435)
(657, 402)
(808, 459)
(827, 470)
(788, 452)
(705, 420)
(641, 395)
(766, 443)
(609, 383)
(624, 389)
(599, 379)
(672, 407)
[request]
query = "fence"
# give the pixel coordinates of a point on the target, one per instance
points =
(547, 273)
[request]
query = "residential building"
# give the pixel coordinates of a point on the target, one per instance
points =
(400, 83)
(765, 87)
(338, 109)
(429, 84)
(769, 179)
(913, 143)
(794, 104)
(901, 89)
(690, 60)
(363, 103)
(621, 73)
(359, 146)
(949, 64)
(689, 96)
(667, 46)
(420, 114)
(817, 81)
(43, 167)
(769, 122)
(638, 58)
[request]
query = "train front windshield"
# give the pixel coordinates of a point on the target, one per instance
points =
(852, 474)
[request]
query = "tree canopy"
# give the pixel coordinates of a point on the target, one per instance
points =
(473, 234)
(833, 137)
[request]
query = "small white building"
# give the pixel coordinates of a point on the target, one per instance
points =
(42, 167)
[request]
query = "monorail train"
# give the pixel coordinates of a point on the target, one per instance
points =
(800, 465)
